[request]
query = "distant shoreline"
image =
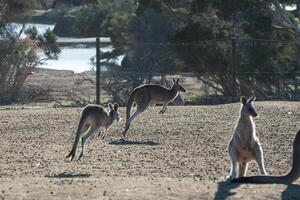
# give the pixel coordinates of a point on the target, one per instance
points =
(54, 71)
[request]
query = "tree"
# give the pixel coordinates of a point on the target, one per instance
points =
(211, 26)
(19, 56)
(143, 40)
(167, 36)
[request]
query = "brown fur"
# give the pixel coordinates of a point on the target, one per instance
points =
(150, 94)
(92, 118)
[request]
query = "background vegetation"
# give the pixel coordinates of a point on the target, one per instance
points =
(234, 47)
(19, 56)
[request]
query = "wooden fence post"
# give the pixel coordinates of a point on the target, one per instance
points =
(98, 70)
(233, 67)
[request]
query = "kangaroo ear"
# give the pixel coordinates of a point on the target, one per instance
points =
(177, 80)
(243, 100)
(251, 99)
(174, 80)
(110, 106)
(116, 106)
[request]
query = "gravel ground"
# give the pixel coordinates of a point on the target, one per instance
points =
(181, 154)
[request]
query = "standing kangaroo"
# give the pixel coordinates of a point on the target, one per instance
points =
(244, 146)
(92, 118)
(290, 177)
(150, 94)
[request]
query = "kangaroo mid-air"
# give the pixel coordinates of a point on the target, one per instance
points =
(150, 94)
(290, 177)
(244, 146)
(92, 118)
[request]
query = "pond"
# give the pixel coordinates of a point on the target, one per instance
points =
(72, 58)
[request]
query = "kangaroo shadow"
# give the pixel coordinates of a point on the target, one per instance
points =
(291, 192)
(69, 175)
(128, 142)
(225, 187)
(224, 190)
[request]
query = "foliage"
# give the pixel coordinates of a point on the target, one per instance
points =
(100, 18)
(210, 26)
(19, 56)
(15, 10)
(159, 37)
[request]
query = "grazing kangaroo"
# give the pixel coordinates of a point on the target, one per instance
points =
(244, 146)
(290, 177)
(150, 94)
(92, 118)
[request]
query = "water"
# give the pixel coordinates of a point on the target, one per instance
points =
(70, 58)
(77, 59)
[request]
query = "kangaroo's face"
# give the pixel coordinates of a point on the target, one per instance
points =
(247, 106)
(113, 111)
(177, 86)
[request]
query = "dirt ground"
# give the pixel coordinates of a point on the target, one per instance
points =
(181, 154)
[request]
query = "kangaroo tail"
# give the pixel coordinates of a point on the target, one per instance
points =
(294, 173)
(290, 177)
(128, 110)
(130, 103)
(78, 134)
(261, 179)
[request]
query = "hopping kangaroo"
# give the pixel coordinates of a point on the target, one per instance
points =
(290, 177)
(92, 118)
(150, 94)
(244, 146)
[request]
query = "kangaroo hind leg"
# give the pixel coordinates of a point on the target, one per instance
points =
(81, 129)
(86, 136)
(135, 114)
(234, 160)
(140, 108)
(259, 158)
(163, 110)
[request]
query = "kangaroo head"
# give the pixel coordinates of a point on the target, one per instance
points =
(113, 111)
(247, 106)
(177, 86)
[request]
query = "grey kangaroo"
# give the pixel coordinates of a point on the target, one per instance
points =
(150, 94)
(92, 118)
(244, 145)
(290, 177)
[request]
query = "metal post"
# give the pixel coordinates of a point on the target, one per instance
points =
(98, 70)
(233, 67)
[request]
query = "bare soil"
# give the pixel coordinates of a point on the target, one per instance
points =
(181, 154)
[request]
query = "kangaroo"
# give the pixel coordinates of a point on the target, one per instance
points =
(244, 146)
(92, 118)
(290, 177)
(150, 94)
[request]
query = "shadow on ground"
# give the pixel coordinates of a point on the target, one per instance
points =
(292, 191)
(128, 142)
(224, 190)
(69, 175)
